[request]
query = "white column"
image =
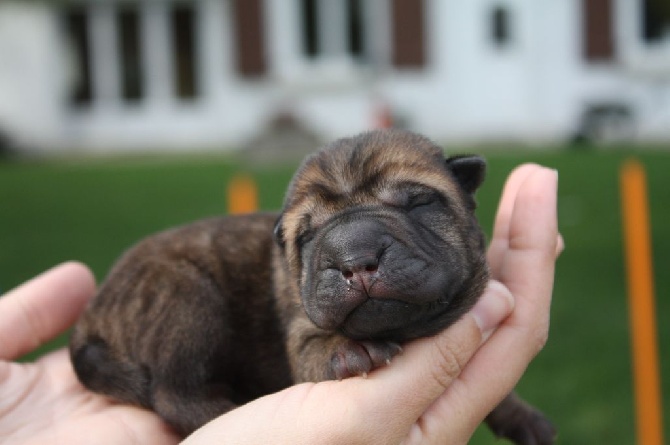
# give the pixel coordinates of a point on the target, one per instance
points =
(284, 31)
(214, 47)
(332, 27)
(104, 55)
(157, 53)
(377, 32)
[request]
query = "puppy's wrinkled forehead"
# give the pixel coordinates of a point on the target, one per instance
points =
(374, 165)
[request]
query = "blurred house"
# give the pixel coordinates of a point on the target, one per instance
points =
(123, 74)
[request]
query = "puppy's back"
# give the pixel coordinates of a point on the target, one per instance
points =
(183, 314)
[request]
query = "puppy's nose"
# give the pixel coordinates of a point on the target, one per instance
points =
(361, 271)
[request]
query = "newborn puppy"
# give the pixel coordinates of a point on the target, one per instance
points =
(377, 244)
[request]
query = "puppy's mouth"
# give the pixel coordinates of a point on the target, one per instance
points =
(392, 319)
(371, 305)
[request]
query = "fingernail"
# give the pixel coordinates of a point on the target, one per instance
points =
(495, 304)
(556, 175)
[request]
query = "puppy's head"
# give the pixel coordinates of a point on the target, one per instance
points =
(380, 235)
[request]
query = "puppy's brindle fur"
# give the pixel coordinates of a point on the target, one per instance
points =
(377, 244)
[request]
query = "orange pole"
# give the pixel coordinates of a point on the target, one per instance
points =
(646, 380)
(242, 195)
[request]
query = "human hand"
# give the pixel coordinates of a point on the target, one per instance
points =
(441, 388)
(43, 402)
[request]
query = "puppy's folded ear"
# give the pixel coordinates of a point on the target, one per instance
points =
(279, 232)
(469, 171)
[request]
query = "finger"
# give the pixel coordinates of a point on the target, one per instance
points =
(560, 245)
(528, 270)
(42, 308)
(499, 241)
(528, 264)
(428, 366)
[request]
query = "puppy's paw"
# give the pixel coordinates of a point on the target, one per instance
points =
(354, 358)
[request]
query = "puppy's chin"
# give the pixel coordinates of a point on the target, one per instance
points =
(394, 320)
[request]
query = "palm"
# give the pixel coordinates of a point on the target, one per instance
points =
(43, 402)
(49, 405)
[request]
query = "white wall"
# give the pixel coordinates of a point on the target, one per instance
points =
(533, 90)
(33, 74)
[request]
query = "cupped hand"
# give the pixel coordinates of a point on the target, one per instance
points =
(42, 402)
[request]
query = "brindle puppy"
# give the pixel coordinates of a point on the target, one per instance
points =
(377, 244)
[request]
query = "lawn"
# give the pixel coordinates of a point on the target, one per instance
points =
(92, 209)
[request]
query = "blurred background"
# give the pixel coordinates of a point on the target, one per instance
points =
(120, 118)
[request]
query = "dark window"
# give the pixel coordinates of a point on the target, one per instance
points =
(655, 20)
(183, 35)
(76, 28)
(598, 32)
(310, 17)
(409, 46)
(132, 81)
(250, 37)
(350, 39)
(501, 34)
(355, 25)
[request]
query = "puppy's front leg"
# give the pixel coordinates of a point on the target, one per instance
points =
(316, 355)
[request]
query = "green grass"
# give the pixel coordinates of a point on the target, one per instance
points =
(91, 210)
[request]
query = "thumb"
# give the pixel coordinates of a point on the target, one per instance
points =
(428, 366)
(43, 307)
